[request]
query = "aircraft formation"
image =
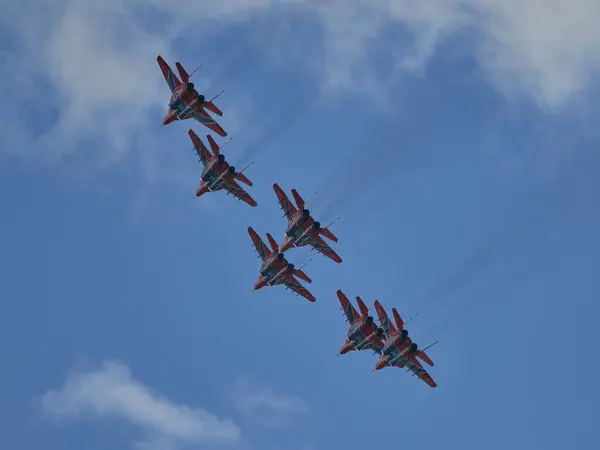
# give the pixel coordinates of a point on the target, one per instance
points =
(388, 340)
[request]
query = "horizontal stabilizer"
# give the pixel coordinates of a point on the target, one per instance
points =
(213, 108)
(243, 178)
(300, 274)
(424, 357)
(328, 234)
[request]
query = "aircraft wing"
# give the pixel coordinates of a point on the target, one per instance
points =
(232, 187)
(421, 373)
(322, 247)
(347, 307)
(262, 250)
(294, 285)
(205, 119)
(170, 77)
(288, 208)
(201, 149)
(383, 319)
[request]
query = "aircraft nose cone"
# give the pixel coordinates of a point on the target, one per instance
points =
(381, 364)
(170, 117)
(259, 283)
(286, 246)
(345, 349)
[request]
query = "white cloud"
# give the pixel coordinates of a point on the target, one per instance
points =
(90, 64)
(263, 404)
(112, 392)
(96, 61)
(546, 48)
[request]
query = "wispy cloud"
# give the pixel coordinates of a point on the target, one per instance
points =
(112, 392)
(90, 69)
(86, 70)
(264, 405)
(542, 48)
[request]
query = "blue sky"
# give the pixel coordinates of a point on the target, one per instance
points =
(458, 142)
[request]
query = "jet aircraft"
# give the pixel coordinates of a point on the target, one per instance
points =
(399, 350)
(217, 174)
(275, 269)
(302, 229)
(186, 102)
(363, 333)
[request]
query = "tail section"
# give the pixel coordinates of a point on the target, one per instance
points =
(398, 319)
(273, 243)
(182, 73)
(299, 201)
(288, 208)
(381, 314)
(217, 151)
(263, 251)
(243, 178)
(363, 308)
(344, 302)
(213, 145)
(171, 79)
(349, 311)
(386, 325)
(201, 150)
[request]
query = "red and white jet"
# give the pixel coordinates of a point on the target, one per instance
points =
(217, 174)
(302, 229)
(186, 102)
(400, 350)
(275, 269)
(363, 333)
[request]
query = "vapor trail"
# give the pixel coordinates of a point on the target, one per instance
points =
(369, 164)
(285, 119)
(540, 214)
